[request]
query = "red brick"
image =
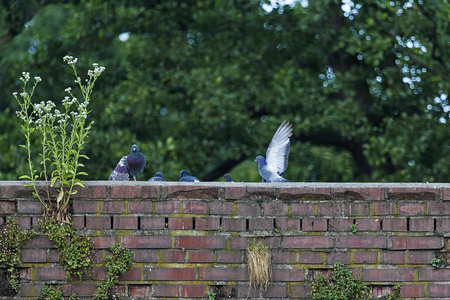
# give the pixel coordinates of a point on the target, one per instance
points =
(379, 242)
(39, 242)
(223, 274)
(181, 223)
(207, 223)
(7, 207)
(446, 194)
(145, 207)
(140, 290)
(103, 242)
(169, 274)
(25, 274)
(438, 208)
(311, 257)
(411, 209)
(356, 209)
(78, 222)
(29, 207)
(300, 291)
(145, 256)
(221, 208)
(378, 291)
(166, 290)
(98, 256)
(249, 209)
(384, 208)
(284, 257)
(413, 193)
(126, 191)
(100, 222)
(90, 191)
(98, 273)
(152, 242)
(329, 209)
(199, 242)
(365, 257)
(305, 193)
(439, 290)
(234, 225)
(167, 207)
(275, 209)
(288, 275)
(125, 222)
(412, 291)
(132, 275)
(396, 275)
(24, 222)
(313, 224)
(395, 224)
(341, 224)
(303, 209)
(196, 291)
(170, 255)
(240, 242)
(51, 273)
(285, 224)
(84, 289)
(442, 225)
(192, 191)
(368, 193)
(430, 274)
(112, 207)
(273, 291)
(153, 223)
(226, 256)
(261, 224)
(368, 224)
(420, 257)
(261, 193)
(194, 207)
(31, 255)
(342, 257)
(393, 257)
(198, 256)
(413, 242)
(235, 192)
(306, 242)
(421, 225)
(152, 191)
(31, 289)
(273, 242)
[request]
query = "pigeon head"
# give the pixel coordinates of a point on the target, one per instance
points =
(134, 149)
(260, 160)
(227, 177)
(184, 173)
(159, 174)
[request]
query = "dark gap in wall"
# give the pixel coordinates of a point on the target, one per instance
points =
(31, 222)
(354, 221)
(381, 224)
(247, 224)
(407, 223)
(328, 224)
(434, 220)
(220, 222)
(112, 222)
(301, 224)
(166, 222)
(274, 223)
(84, 221)
(193, 223)
(139, 223)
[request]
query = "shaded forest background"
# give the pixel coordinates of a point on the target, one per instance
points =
(202, 85)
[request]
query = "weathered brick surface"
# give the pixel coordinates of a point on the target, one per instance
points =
(185, 240)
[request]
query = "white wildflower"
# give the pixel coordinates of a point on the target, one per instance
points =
(38, 79)
(68, 89)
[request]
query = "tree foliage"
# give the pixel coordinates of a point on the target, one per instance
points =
(203, 84)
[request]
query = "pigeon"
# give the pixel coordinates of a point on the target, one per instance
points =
(158, 177)
(120, 172)
(135, 162)
(227, 178)
(277, 155)
(186, 177)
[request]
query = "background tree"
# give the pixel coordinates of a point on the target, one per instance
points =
(203, 84)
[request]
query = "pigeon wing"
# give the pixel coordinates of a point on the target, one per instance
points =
(277, 154)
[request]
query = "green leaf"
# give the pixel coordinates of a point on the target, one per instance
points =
(25, 177)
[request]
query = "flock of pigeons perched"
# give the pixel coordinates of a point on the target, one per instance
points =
(271, 168)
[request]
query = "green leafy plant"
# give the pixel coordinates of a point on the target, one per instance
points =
(220, 229)
(436, 262)
(49, 292)
(63, 137)
(396, 293)
(341, 285)
(259, 265)
(211, 295)
(118, 263)
(74, 251)
(354, 228)
(12, 238)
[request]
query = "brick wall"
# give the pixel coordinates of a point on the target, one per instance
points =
(187, 239)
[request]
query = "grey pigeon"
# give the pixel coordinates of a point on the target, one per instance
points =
(158, 177)
(227, 178)
(120, 172)
(186, 177)
(135, 162)
(277, 155)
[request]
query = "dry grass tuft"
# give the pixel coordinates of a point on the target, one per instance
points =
(259, 265)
